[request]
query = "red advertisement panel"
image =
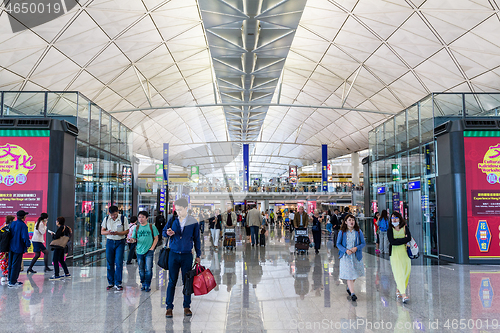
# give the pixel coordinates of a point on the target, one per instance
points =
(24, 168)
(482, 169)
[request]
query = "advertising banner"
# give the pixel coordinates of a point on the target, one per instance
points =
(164, 188)
(24, 169)
(246, 171)
(395, 202)
(482, 173)
(324, 170)
(292, 174)
(165, 164)
(195, 173)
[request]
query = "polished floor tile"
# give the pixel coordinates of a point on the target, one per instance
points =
(262, 289)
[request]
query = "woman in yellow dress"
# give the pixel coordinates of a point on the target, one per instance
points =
(398, 235)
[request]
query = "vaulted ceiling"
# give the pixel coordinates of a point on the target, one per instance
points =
(283, 75)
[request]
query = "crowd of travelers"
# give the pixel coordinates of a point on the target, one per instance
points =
(182, 233)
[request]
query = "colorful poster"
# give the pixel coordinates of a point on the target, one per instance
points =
(246, 171)
(24, 169)
(395, 202)
(195, 173)
(292, 174)
(482, 173)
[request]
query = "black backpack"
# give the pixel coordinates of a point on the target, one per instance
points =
(5, 237)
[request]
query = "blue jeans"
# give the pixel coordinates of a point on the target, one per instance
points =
(131, 252)
(14, 266)
(254, 231)
(114, 257)
(176, 261)
(145, 262)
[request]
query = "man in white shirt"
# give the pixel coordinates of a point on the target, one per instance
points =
(291, 216)
(115, 228)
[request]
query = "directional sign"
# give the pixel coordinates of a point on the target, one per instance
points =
(483, 236)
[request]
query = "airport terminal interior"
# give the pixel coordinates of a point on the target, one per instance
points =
(363, 114)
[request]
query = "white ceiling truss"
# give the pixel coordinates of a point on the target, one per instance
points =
(190, 73)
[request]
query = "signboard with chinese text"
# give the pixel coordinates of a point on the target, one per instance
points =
(292, 174)
(324, 171)
(88, 169)
(24, 167)
(246, 171)
(482, 174)
(195, 173)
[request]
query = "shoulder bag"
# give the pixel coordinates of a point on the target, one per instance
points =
(163, 257)
(61, 241)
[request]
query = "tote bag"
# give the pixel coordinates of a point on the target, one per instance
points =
(204, 281)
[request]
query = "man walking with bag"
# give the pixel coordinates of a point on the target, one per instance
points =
(115, 228)
(254, 220)
(184, 232)
(19, 244)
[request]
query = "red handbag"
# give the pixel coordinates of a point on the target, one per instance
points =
(204, 281)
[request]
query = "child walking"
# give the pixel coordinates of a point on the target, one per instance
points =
(350, 242)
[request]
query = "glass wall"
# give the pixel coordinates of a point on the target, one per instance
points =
(402, 150)
(102, 156)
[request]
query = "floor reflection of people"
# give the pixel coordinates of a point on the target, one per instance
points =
(229, 277)
(254, 269)
(317, 276)
(35, 299)
(144, 319)
(302, 268)
(350, 325)
(215, 267)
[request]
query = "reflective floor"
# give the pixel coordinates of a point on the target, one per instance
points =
(262, 289)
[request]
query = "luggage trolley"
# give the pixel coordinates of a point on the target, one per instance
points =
(301, 241)
(229, 238)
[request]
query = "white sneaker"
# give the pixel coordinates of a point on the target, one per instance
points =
(4, 279)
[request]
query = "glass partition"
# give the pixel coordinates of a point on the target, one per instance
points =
(482, 105)
(83, 118)
(62, 104)
(389, 137)
(413, 126)
(95, 125)
(426, 120)
(19, 104)
(401, 131)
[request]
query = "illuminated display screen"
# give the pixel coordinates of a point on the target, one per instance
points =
(24, 169)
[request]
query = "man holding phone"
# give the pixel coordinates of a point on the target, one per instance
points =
(115, 228)
(184, 232)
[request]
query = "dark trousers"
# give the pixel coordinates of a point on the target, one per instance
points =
(176, 262)
(131, 252)
(45, 258)
(14, 266)
(59, 259)
(317, 239)
(335, 236)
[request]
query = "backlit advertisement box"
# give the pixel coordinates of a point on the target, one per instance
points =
(24, 168)
(482, 173)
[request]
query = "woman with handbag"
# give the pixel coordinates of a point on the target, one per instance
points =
(316, 230)
(37, 240)
(399, 234)
(58, 244)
